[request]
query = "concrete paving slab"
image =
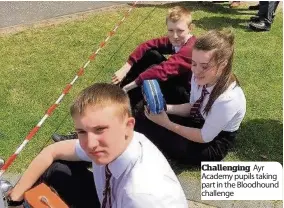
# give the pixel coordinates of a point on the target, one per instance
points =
(192, 189)
(193, 204)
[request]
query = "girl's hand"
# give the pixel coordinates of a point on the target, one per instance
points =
(161, 119)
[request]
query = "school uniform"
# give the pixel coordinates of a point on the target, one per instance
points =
(218, 129)
(139, 177)
(148, 61)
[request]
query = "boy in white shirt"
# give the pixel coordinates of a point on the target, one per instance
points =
(128, 170)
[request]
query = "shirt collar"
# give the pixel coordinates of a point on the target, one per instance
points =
(177, 48)
(128, 157)
(210, 89)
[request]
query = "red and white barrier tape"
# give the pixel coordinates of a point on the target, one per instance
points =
(65, 91)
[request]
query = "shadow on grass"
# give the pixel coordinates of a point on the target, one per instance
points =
(260, 140)
(257, 140)
(210, 23)
(220, 8)
(213, 22)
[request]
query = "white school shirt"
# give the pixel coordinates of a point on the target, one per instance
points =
(227, 112)
(141, 177)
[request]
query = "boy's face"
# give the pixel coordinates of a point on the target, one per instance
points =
(102, 134)
(178, 32)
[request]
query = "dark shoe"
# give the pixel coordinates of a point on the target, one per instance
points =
(255, 19)
(58, 137)
(256, 7)
(259, 26)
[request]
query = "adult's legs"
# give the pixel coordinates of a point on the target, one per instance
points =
(73, 182)
(263, 5)
(267, 10)
(266, 15)
(274, 7)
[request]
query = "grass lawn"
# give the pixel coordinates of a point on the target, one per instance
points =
(36, 64)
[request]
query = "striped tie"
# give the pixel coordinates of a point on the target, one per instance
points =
(194, 112)
(107, 191)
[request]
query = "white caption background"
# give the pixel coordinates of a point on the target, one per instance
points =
(241, 181)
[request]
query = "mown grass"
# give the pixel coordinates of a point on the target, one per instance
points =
(36, 64)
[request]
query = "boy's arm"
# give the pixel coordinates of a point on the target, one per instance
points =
(161, 44)
(64, 150)
(176, 64)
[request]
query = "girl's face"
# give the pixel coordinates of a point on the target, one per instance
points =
(205, 70)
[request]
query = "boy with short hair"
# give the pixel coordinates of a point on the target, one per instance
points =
(128, 170)
(147, 61)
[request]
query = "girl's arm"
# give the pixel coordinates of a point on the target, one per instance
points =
(162, 119)
(180, 110)
(64, 150)
(192, 134)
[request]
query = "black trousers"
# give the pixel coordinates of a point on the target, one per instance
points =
(267, 10)
(73, 182)
(181, 149)
(176, 89)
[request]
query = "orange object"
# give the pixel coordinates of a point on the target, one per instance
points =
(42, 196)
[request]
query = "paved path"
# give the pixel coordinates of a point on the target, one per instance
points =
(17, 13)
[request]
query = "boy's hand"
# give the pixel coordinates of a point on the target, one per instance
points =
(14, 200)
(120, 74)
(15, 196)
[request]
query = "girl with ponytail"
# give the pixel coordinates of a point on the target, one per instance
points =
(205, 128)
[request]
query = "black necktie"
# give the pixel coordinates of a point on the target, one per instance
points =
(194, 112)
(107, 191)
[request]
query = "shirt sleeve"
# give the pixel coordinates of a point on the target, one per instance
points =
(221, 113)
(141, 201)
(81, 153)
